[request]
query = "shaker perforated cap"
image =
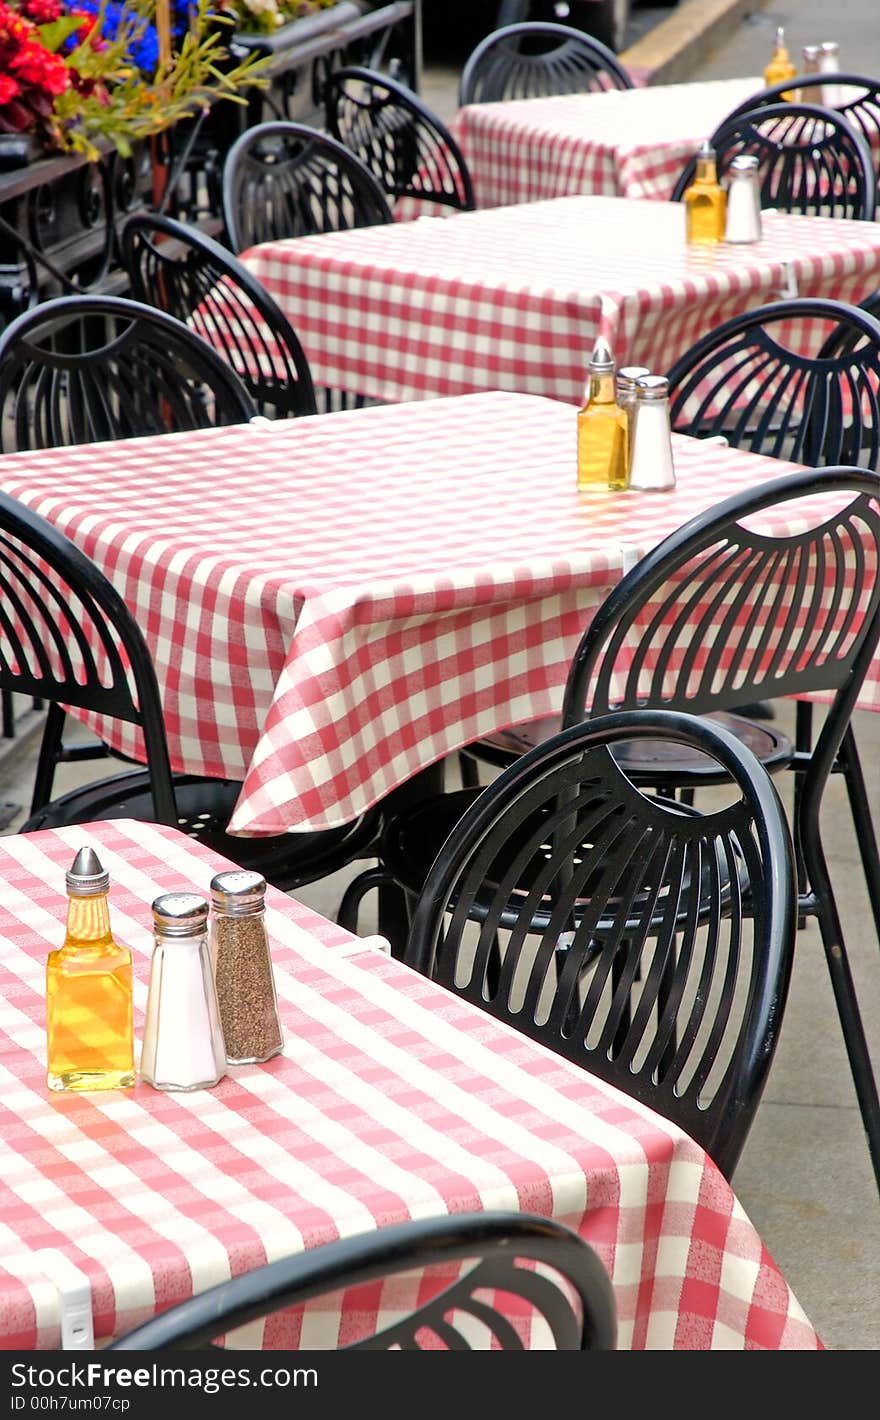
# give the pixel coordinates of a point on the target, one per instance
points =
(628, 374)
(180, 914)
(744, 163)
(601, 360)
(652, 387)
(85, 876)
(238, 890)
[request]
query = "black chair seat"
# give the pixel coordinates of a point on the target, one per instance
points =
(664, 765)
(286, 860)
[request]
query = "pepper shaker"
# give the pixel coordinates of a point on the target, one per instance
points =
(183, 1047)
(743, 200)
(651, 467)
(243, 967)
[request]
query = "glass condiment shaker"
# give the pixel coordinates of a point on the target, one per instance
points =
(625, 393)
(183, 1046)
(89, 1027)
(243, 967)
(829, 63)
(743, 200)
(651, 465)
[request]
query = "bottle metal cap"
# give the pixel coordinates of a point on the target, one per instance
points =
(86, 877)
(810, 51)
(628, 374)
(601, 360)
(180, 914)
(744, 163)
(652, 387)
(829, 46)
(238, 891)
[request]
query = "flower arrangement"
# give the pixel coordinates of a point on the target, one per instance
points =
(74, 73)
(265, 16)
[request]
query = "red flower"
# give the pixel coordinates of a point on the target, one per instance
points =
(8, 89)
(41, 12)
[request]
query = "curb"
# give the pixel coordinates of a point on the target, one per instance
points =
(668, 53)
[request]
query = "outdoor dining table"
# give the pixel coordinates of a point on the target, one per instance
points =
(391, 1099)
(513, 298)
(616, 143)
(334, 603)
(337, 602)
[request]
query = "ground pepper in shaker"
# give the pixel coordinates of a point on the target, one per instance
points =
(243, 967)
(183, 1045)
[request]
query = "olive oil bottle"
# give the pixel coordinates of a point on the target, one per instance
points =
(705, 201)
(602, 428)
(89, 1024)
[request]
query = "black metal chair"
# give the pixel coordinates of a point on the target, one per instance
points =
(179, 269)
(642, 940)
(284, 179)
(535, 59)
(719, 613)
(809, 160)
(495, 1298)
(858, 100)
(797, 379)
(408, 148)
(81, 369)
(68, 639)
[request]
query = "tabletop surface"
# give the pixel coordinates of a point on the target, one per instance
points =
(391, 1099)
(374, 600)
(514, 297)
(623, 142)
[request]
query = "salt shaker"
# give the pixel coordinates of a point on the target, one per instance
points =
(243, 967)
(651, 466)
(183, 1047)
(743, 200)
(829, 63)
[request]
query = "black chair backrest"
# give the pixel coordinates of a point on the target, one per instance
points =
(858, 100)
(534, 59)
(809, 160)
(497, 1242)
(646, 942)
(179, 269)
(722, 613)
(67, 638)
(284, 179)
(79, 369)
(796, 379)
(408, 148)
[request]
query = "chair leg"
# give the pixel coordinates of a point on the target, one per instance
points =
(821, 903)
(803, 743)
(851, 767)
(393, 913)
(469, 771)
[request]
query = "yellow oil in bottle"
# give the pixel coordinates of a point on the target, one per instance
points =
(780, 67)
(705, 202)
(602, 429)
(89, 1028)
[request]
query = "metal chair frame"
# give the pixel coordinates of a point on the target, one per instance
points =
(283, 179)
(535, 59)
(611, 958)
(409, 150)
(79, 369)
(498, 1242)
(810, 160)
(179, 269)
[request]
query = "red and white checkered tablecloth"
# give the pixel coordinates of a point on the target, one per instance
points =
(622, 143)
(334, 603)
(513, 298)
(391, 1099)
